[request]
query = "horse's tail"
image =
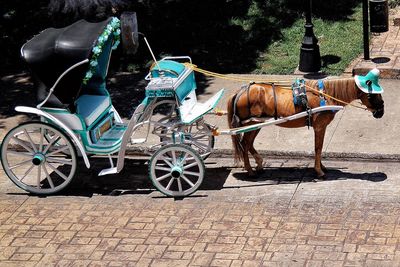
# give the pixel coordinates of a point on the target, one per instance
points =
(234, 122)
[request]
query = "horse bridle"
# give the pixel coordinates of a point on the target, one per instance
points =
(377, 104)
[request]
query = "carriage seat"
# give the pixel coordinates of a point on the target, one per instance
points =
(90, 107)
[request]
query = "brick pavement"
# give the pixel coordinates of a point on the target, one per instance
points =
(281, 219)
(384, 51)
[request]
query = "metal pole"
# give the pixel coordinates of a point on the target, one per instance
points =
(310, 58)
(365, 30)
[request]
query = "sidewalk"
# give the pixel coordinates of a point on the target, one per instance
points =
(384, 51)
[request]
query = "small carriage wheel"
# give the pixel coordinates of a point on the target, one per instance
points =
(199, 138)
(176, 170)
(35, 164)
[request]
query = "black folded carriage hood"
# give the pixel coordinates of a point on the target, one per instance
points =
(53, 51)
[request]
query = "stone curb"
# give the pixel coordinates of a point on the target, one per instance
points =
(342, 156)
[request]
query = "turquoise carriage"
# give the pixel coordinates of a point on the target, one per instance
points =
(77, 118)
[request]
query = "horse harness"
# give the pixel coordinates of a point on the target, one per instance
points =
(299, 98)
(246, 89)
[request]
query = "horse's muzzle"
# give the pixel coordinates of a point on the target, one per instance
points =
(378, 113)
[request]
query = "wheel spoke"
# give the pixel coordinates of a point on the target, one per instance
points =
(190, 165)
(166, 161)
(163, 177)
(197, 137)
(187, 180)
(170, 183)
(39, 175)
(162, 168)
(57, 171)
(59, 160)
(179, 185)
(20, 164)
(192, 173)
(27, 172)
(53, 140)
(184, 158)
(199, 144)
(41, 139)
(57, 151)
(21, 143)
(48, 177)
(21, 154)
(30, 139)
(173, 157)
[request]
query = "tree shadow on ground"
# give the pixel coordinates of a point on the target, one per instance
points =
(15, 89)
(134, 179)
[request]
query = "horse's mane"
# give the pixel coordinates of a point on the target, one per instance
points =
(343, 89)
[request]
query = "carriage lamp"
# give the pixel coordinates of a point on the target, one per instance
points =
(310, 58)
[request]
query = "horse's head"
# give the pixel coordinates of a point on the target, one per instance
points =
(371, 92)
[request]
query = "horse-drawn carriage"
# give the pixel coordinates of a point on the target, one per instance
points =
(77, 118)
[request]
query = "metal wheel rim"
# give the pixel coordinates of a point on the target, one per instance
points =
(169, 157)
(42, 167)
(200, 138)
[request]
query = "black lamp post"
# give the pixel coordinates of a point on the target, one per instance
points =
(310, 58)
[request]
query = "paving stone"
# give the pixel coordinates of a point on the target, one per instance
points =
(328, 223)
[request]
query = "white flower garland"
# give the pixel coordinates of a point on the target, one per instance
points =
(111, 30)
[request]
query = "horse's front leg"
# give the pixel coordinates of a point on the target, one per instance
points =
(319, 135)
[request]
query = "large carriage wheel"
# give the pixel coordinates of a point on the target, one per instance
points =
(176, 170)
(38, 158)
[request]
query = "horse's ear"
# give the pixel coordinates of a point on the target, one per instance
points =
(369, 83)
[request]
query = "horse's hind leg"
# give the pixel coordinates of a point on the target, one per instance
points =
(319, 134)
(253, 151)
(246, 143)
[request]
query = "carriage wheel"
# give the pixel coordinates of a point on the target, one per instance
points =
(197, 135)
(35, 163)
(176, 170)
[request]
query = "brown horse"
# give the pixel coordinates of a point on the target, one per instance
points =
(259, 101)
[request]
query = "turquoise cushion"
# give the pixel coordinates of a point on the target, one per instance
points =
(91, 107)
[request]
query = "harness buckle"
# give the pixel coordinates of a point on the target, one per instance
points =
(322, 101)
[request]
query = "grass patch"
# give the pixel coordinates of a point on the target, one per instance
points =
(339, 40)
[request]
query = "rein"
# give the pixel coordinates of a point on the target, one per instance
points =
(334, 98)
(282, 83)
